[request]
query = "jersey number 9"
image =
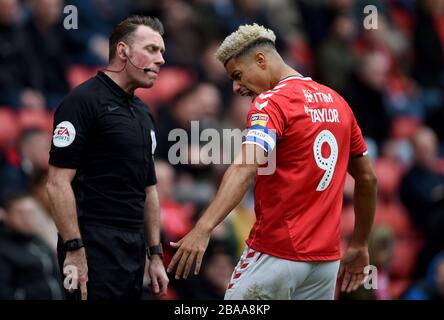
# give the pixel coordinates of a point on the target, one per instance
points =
(327, 164)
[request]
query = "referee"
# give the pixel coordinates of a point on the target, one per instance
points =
(102, 182)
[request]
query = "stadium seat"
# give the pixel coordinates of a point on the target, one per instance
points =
(402, 19)
(404, 257)
(347, 221)
(395, 215)
(35, 118)
(398, 287)
(9, 129)
(404, 127)
(171, 80)
(76, 74)
(389, 173)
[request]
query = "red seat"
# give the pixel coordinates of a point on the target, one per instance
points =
(404, 127)
(170, 81)
(76, 74)
(404, 258)
(347, 220)
(395, 215)
(35, 119)
(398, 287)
(9, 129)
(389, 173)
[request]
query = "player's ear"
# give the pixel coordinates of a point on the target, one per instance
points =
(261, 60)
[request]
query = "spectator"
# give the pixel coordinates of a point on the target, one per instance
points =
(176, 217)
(335, 59)
(200, 102)
(365, 94)
(46, 225)
(381, 250)
(216, 271)
(429, 43)
(28, 269)
(381, 244)
(16, 60)
(33, 154)
(423, 187)
(432, 286)
(182, 33)
(48, 68)
(88, 45)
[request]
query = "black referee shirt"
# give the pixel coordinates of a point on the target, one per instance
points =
(108, 136)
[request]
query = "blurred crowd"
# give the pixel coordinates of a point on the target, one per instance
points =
(392, 77)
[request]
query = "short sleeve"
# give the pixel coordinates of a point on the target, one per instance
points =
(152, 178)
(265, 124)
(72, 122)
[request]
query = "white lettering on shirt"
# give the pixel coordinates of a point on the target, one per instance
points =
(322, 114)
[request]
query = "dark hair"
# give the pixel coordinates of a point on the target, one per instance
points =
(125, 29)
(13, 198)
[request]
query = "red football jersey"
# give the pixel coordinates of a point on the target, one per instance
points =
(313, 133)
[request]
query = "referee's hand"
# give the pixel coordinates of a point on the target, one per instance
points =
(158, 276)
(189, 248)
(77, 260)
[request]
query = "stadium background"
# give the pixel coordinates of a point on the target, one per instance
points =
(392, 77)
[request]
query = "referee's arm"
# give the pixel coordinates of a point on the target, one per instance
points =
(63, 210)
(152, 216)
(156, 269)
(62, 202)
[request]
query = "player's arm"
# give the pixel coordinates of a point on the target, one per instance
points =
(234, 185)
(364, 199)
(364, 202)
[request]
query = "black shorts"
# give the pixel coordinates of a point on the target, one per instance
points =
(116, 262)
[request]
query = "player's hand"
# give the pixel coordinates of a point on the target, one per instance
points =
(76, 261)
(158, 276)
(189, 248)
(352, 268)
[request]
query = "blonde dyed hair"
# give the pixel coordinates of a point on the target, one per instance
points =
(237, 42)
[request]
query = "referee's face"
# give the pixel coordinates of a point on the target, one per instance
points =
(146, 51)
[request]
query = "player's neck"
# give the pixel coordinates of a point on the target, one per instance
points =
(282, 73)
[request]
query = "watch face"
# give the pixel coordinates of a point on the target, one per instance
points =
(155, 250)
(73, 244)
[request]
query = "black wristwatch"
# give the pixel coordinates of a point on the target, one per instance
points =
(154, 250)
(74, 244)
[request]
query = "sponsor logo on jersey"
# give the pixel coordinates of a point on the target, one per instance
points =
(259, 119)
(64, 134)
(317, 97)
